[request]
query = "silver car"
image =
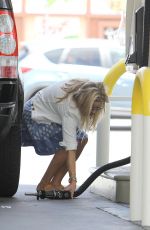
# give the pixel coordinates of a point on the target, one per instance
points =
(89, 52)
(37, 79)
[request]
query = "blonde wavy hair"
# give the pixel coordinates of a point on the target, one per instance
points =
(84, 93)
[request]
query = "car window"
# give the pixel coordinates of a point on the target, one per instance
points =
(82, 56)
(54, 55)
(24, 51)
(116, 55)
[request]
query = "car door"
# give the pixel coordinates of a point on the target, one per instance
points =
(81, 56)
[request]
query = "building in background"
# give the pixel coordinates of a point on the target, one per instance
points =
(67, 18)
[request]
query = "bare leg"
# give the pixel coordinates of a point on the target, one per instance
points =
(58, 168)
(55, 164)
(63, 170)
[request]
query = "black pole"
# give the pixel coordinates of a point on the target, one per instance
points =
(146, 33)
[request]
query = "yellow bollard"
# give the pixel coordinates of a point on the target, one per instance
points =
(113, 75)
(140, 149)
(103, 129)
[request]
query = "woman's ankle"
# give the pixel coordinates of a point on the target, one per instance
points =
(42, 185)
(47, 186)
(57, 186)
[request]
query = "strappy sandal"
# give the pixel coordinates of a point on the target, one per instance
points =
(49, 187)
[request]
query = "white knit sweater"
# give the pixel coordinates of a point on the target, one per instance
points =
(46, 110)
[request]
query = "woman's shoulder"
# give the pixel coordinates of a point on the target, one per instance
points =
(53, 90)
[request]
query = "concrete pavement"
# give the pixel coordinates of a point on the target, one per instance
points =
(88, 211)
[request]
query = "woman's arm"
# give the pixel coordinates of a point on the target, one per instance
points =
(72, 163)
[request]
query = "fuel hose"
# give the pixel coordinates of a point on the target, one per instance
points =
(98, 172)
(60, 195)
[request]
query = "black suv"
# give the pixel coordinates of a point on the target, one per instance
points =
(11, 102)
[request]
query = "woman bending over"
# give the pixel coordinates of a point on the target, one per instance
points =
(55, 121)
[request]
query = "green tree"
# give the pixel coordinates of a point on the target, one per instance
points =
(51, 2)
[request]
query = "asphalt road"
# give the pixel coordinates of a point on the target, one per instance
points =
(87, 212)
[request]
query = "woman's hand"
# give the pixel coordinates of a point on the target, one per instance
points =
(71, 187)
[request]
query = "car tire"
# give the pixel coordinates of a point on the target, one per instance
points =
(10, 153)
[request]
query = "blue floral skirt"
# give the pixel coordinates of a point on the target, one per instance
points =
(44, 138)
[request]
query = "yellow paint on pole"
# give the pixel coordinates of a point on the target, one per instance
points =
(141, 92)
(113, 75)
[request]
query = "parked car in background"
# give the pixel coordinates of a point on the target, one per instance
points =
(89, 52)
(37, 79)
(60, 60)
